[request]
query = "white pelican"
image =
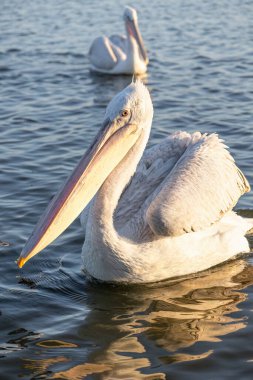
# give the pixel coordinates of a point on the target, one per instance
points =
(150, 216)
(118, 54)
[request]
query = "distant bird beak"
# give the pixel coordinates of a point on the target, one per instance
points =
(108, 149)
(133, 30)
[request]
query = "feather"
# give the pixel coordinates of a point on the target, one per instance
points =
(205, 176)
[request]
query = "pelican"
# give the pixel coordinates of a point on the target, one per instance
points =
(149, 215)
(118, 54)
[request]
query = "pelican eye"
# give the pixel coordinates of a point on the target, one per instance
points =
(124, 113)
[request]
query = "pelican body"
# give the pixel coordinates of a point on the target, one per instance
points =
(151, 215)
(119, 54)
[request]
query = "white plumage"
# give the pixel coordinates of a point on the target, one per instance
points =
(119, 54)
(158, 214)
(174, 187)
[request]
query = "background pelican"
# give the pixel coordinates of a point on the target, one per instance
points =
(163, 215)
(118, 54)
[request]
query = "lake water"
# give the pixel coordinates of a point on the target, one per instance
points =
(54, 323)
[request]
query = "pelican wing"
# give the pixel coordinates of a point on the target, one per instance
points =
(204, 184)
(101, 54)
(154, 166)
(119, 41)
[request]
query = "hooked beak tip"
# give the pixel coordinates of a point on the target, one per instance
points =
(21, 262)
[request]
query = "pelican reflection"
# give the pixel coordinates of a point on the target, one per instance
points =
(138, 330)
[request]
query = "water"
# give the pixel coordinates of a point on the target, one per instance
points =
(54, 323)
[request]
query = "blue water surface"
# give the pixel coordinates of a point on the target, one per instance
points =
(54, 323)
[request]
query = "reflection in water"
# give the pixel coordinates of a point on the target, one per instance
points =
(53, 324)
(136, 332)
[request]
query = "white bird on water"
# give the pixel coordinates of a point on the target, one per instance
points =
(153, 215)
(119, 54)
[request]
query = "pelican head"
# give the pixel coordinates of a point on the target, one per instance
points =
(131, 22)
(130, 14)
(128, 116)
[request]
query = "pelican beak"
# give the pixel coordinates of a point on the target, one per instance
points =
(108, 149)
(133, 30)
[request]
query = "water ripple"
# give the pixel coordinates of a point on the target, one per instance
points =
(55, 323)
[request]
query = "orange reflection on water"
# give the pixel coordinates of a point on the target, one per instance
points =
(137, 331)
